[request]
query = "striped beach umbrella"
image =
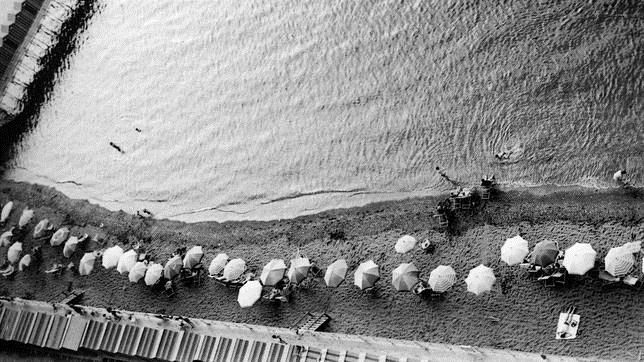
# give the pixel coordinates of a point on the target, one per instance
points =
(70, 246)
(249, 294)
(619, 261)
(59, 237)
(137, 271)
(405, 244)
(404, 277)
(6, 210)
(480, 280)
(514, 250)
(335, 273)
(153, 274)
(193, 257)
(273, 272)
(298, 270)
(126, 261)
(442, 278)
(172, 267)
(579, 258)
(217, 264)
(367, 274)
(545, 253)
(234, 269)
(86, 264)
(111, 257)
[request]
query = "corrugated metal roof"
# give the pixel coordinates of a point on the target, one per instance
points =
(190, 343)
(171, 339)
(41, 327)
(74, 335)
(9, 321)
(24, 326)
(130, 340)
(57, 332)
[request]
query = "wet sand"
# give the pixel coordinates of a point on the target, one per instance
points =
(521, 317)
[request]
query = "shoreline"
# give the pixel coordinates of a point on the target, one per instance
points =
(526, 311)
(290, 206)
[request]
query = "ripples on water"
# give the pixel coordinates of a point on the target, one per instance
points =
(245, 106)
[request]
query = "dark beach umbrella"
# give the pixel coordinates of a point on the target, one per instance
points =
(545, 253)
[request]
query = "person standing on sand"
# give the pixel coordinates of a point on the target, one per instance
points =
(619, 176)
(444, 176)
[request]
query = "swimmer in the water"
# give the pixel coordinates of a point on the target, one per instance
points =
(116, 147)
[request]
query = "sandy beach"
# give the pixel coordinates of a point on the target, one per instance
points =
(522, 316)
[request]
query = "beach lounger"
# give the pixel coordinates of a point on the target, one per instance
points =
(442, 219)
(568, 324)
(312, 321)
(168, 289)
(607, 278)
(630, 280)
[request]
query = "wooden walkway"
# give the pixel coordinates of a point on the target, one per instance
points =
(84, 330)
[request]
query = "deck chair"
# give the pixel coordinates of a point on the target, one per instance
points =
(443, 222)
(607, 279)
(168, 289)
(485, 193)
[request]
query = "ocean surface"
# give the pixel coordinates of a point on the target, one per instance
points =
(229, 110)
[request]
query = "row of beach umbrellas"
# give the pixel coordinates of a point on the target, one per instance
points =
(578, 259)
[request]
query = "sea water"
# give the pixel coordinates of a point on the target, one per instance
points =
(272, 109)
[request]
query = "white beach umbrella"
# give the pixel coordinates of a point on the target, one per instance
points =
(193, 257)
(579, 258)
(172, 267)
(137, 271)
(86, 264)
(366, 275)
(405, 244)
(153, 273)
(249, 293)
(6, 210)
(70, 246)
(5, 238)
(480, 280)
(217, 264)
(633, 246)
(442, 278)
(273, 272)
(514, 250)
(404, 277)
(619, 261)
(111, 257)
(43, 226)
(298, 270)
(25, 218)
(59, 237)
(24, 263)
(126, 261)
(234, 269)
(13, 254)
(335, 273)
